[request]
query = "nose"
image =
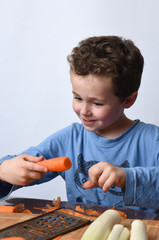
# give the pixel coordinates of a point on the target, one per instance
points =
(85, 109)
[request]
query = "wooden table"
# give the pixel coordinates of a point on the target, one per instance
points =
(35, 205)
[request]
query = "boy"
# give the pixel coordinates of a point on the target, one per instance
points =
(114, 159)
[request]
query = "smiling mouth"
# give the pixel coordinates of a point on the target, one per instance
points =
(88, 122)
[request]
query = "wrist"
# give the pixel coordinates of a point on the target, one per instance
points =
(123, 183)
(1, 173)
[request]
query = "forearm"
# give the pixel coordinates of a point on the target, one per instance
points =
(142, 187)
(5, 187)
(32, 151)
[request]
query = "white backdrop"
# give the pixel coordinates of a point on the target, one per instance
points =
(35, 92)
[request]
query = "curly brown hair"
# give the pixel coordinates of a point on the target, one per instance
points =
(111, 56)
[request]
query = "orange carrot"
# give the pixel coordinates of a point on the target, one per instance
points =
(26, 211)
(92, 212)
(88, 184)
(79, 208)
(9, 209)
(13, 238)
(57, 164)
(57, 238)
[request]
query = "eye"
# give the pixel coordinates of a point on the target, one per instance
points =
(98, 104)
(79, 99)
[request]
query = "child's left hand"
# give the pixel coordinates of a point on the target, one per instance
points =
(105, 175)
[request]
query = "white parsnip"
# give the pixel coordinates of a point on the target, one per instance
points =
(116, 231)
(138, 230)
(124, 234)
(102, 226)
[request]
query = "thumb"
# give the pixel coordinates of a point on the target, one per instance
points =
(32, 158)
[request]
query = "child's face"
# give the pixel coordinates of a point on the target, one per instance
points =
(95, 103)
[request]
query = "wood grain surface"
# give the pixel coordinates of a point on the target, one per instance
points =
(8, 219)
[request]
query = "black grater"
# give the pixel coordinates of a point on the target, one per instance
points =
(45, 227)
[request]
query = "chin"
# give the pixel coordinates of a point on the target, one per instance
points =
(89, 128)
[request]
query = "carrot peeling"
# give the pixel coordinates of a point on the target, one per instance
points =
(9, 209)
(92, 212)
(57, 164)
(13, 238)
(123, 214)
(57, 202)
(57, 238)
(79, 209)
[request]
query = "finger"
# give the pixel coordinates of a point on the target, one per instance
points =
(31, 166)
(32, 158)
(103, 178)
(30, 178)
(108, 184)
(35, 176)
(88, 184)
(95, 173)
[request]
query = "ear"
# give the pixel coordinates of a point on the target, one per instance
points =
(130, 100)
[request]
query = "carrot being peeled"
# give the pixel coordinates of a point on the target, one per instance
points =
(56, 164)
(9, 209)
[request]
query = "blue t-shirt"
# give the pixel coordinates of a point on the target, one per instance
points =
(136, 150)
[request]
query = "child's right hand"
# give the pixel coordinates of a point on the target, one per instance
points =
(22, 170)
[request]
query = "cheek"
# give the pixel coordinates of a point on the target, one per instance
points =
(101, 116)
(75, 107)
(110, 114)
(101, 113)
(105, 114)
